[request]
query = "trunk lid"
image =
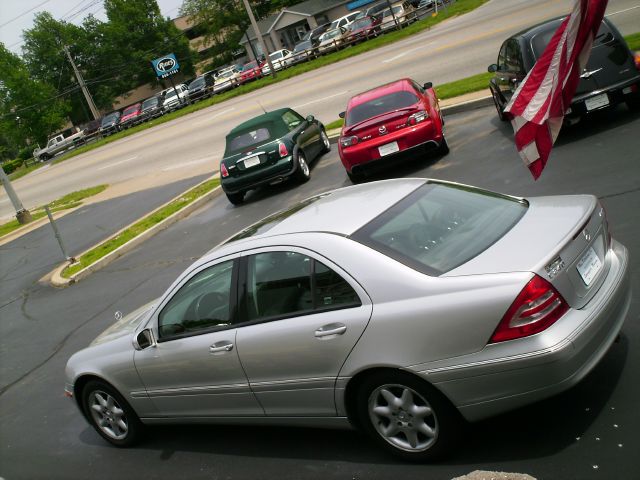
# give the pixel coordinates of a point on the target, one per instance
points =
(562, 239)
(241, 163)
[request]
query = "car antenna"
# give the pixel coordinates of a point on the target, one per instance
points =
(261, 106)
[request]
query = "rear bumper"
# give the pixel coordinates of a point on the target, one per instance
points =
(276, 173)
(616, 94)
(413, 142)
(571, 348)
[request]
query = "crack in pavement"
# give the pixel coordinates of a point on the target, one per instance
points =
(626, 192)
(62, 342)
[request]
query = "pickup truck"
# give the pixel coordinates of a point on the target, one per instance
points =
(57, 144)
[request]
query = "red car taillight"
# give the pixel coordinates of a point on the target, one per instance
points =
(223, 170)
(417, 117)
(348, 141)
(282, 149)
(535, 309)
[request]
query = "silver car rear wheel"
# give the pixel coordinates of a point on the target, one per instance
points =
(403, 417)
(406, 415)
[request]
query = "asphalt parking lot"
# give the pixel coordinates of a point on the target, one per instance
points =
(587, 432)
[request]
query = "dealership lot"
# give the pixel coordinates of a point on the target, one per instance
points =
(588, 432)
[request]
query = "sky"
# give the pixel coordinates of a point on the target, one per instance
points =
(17, 15)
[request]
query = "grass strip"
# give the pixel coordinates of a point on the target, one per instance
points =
(633, 41)
(140, 227)
(71, 200)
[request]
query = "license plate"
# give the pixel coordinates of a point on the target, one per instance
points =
(596, 102)
(388, 148)
(251, 162)
(589, 266)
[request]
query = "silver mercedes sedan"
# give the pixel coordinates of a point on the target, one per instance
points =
(400, 307)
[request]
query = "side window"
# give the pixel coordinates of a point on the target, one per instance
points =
(291, 120)
(278, 283)
(204, 302)
(502, 57)
(513, 58)
(288, 283)
(331, 289)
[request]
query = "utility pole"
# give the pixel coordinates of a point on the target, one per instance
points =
(259, 37)
(83, 86)
(22, 214)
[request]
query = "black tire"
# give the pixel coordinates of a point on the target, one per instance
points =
(443, 148)
(303, 173)
(443, 422)
(236, 198)
(99, 395)
(326, 143)
(355, 177)
(633, 103)
(499, 109)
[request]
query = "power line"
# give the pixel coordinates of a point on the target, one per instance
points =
(72, 9)
(24, 13)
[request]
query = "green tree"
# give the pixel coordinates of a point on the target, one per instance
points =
(28, 109)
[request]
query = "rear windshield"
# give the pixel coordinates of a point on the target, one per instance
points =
(439, 227)
(110, 118)
(380, 105)
(540, 41)
(362, 23)
(247, 139)
(131, 109)
(150, 102)
(249, 66)
(196, 83)
(302, 46)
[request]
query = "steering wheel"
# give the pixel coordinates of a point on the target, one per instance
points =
(208, 304)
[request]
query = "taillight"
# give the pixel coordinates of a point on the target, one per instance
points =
(223, 170)
(636, 59)
(603, 213)
(417, 117)
(535, 309)
(348, 141)
(282, 149)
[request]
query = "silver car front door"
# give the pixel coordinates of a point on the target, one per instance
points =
(301, 317)
(194, 369)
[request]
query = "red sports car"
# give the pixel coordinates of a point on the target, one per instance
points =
(251, 71)
(363, 28)
(397, 120)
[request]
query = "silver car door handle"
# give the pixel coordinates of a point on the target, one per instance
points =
(331, 329)
(221, 347)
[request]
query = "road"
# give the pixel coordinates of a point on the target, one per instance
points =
(42, 435)
(193, 145)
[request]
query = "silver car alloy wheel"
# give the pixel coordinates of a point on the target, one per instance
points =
(325, 140)
(403, 418)
(108, 415)
(304, 168)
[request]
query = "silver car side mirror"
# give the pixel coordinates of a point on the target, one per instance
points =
(144, 339)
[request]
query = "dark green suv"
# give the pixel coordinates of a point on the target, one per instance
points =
(269, 149)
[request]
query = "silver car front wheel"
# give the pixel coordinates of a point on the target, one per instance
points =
(406, 416)
(110, 414)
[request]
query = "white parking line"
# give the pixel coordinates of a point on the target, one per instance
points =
(320, 99)
(215, 115)
(622, 11)
(118, 163)
(192, 162)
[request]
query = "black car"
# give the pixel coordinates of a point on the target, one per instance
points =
(201, 87)
(303, 51)
(110, 124)
(269, 149)
(151, 108)
(610, 77)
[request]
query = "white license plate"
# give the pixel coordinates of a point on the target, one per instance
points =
(596, 102)
(388, 149)
(251, 162)
(589, 266)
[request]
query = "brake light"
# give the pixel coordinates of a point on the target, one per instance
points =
(535, 309)
(636, 59)
(282, 148)
(349, 141)
(417, 117)
(223, 170)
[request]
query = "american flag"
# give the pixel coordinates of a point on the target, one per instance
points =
(538, 106)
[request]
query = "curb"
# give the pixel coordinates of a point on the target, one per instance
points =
(57, 280)
(448, 110)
